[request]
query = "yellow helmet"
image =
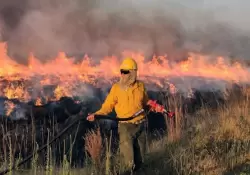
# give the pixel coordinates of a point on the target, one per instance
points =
(129, 64)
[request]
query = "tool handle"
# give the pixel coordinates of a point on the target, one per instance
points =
(101, 117)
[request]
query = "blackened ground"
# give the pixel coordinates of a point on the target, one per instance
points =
(53, 117)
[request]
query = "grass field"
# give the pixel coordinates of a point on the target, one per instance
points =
(211, 141)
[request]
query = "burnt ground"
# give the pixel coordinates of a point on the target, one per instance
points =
(45, 122)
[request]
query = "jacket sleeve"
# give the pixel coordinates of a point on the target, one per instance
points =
(109, 103)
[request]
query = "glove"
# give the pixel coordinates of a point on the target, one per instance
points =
(91, 117)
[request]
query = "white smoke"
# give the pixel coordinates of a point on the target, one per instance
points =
(108, 27)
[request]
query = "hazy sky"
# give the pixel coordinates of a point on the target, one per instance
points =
(234, 12)
(104, 27)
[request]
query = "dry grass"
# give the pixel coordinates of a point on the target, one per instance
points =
(93, 145)
(219, 140)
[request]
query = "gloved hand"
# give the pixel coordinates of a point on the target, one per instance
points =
(91, 117)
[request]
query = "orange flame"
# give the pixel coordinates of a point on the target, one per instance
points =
(38, 102)
(9, 106)
(65, 72)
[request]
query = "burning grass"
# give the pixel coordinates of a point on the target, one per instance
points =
(210, 141)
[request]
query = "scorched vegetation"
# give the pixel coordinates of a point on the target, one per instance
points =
(212, 138)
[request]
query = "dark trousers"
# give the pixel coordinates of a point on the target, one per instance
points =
(132, 144)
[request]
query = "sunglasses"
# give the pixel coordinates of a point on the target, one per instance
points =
(124, 71)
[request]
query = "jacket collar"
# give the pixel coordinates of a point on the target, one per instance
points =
(135, 85)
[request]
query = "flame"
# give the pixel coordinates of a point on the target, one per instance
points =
(9, 106)
(65, 73)
(38, 101)
(60, 92)
(18, 92)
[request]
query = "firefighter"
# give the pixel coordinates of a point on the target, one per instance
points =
(127, 97)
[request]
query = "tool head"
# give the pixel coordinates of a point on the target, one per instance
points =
(170, 114)
(154, 106)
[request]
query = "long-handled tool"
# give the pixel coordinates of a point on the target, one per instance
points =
(97, 117)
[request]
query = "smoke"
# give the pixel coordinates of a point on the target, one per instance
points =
(101, 28)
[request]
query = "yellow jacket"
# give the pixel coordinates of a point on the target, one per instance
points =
(126, 102)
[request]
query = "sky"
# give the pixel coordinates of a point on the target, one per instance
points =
(233, 12)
